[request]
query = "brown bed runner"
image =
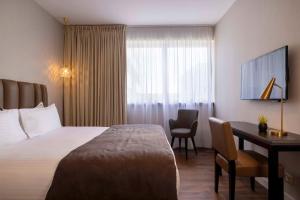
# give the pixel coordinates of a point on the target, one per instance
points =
(133, 162)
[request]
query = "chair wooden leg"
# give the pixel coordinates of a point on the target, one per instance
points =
(281, 187)
(231, 174)
(172, 141)
(179, 143)
(252, 183)
(194, 145)
(217, 173)
(186, 148)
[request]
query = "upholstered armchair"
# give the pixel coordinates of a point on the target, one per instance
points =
(185, 126)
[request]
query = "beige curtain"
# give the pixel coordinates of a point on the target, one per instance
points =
(95, 95)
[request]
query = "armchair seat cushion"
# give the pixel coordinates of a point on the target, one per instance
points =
(181, 132)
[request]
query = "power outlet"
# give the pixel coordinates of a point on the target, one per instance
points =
(289, 178)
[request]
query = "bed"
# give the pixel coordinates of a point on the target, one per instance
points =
(118, 162)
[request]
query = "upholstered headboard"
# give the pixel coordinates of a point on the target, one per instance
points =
(15, 94)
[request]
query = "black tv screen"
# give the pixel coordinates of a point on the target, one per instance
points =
(256, 74)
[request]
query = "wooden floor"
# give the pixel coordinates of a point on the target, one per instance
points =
(197, 179)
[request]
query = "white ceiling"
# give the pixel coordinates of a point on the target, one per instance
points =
(138, 12)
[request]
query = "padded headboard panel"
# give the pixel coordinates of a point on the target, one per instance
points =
(15, 94)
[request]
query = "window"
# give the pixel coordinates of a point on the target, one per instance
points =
(168, 66)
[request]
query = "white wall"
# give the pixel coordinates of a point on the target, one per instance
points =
(31, 46)
(251, 28)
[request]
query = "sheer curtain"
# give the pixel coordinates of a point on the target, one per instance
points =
(170, 68)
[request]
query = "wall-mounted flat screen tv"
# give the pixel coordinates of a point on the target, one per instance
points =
(256, 74)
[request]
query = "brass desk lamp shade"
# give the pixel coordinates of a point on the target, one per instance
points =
(268, 90)
(266, 95)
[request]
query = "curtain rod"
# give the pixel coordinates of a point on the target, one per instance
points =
(180, 25)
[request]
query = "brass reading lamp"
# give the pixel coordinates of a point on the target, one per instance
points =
(266, 95)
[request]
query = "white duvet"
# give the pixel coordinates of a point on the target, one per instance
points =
(27, 168)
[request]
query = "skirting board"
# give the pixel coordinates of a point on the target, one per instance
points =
(264, 183)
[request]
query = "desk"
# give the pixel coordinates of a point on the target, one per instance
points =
(249, 132)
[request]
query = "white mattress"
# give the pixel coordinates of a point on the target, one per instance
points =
(27, 168)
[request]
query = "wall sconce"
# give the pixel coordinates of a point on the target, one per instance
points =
(65, 72)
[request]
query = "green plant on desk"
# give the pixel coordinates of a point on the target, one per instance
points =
(262, 124)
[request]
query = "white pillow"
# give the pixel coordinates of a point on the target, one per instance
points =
(10, 129)
(40, 105)
(39, 121)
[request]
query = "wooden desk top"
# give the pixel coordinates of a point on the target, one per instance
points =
(249, 131)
